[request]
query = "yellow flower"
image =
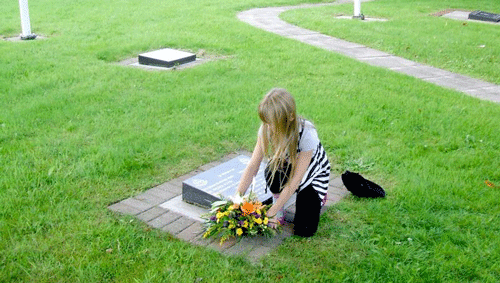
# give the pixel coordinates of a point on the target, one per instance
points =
(245, 224)
(258, 221)
(219, 215)
(266, 220)
(239, 231)
(231, 226)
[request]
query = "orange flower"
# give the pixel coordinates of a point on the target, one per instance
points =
(247, 208)
(489, 184)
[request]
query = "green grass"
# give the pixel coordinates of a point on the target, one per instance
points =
(79, 132)
(412, 32)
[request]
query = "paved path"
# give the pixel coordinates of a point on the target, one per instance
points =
(268, 19)
(161, 207)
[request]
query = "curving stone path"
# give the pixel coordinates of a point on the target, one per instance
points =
(268, 19)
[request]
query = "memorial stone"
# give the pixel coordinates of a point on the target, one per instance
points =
(484, 16)
(166, 58)
(222, 180)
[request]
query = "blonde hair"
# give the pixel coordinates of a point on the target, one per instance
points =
(280, 129)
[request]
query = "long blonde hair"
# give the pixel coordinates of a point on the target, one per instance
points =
(280, 129)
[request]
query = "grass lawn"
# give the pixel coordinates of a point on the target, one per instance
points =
(79, 132)
(415, 32)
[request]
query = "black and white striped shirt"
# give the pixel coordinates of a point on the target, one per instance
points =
(318, 172)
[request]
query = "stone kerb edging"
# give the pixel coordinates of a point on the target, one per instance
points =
(268, 19)
(147, 208)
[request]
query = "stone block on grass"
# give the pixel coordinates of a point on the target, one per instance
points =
(178, 225)
(164, 219)
(151, 214)
(193, 230)
(137, 204)
(122, 208)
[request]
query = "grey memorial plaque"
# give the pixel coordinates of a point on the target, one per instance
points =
(484, 16)
(166, 58)
(205, 188)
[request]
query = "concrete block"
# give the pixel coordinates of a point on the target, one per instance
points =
(336, 182)
(421, 71)
(178, 225)
(122, 208)
(151, 214)
(193, 230)
(149, 198)
(171, 188)
(200, 241)
(216, 245)
(163, 219)
(137, 204)
(386, 61)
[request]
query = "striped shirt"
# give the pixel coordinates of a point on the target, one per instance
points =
(318, 172)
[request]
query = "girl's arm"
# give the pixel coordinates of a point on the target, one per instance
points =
(252, 167)
(303, 160)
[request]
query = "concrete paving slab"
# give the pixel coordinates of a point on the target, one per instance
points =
(178, 225)
(457, 15)
(466, 85)
(189, 210)
(458, 82)
(169, 187)
(163, 219)
(151, 214)
(161, 194)
(336, 182)
(487, 93)
(122, 208)
(137, 204)
(221, 247)
(422, 71)
(289, 30)
(150, 198)
(387, 61)
(193, 230)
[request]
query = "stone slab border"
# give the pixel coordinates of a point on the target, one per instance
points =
(146, 207)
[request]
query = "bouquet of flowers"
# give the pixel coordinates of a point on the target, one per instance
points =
(238, 217)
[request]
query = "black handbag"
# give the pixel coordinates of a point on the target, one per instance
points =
(361, 187)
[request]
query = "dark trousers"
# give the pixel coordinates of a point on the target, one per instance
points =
(307, 210)
(307, 206)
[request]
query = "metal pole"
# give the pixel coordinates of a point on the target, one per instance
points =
(357, 10)
(25, 20)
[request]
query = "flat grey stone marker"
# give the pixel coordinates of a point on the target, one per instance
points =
(166, 58)
(484, 16)
(206, 187)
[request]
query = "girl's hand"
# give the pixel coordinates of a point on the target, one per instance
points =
(273, 222)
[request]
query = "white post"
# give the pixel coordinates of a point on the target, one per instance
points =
(25, 20)
(357, 8)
